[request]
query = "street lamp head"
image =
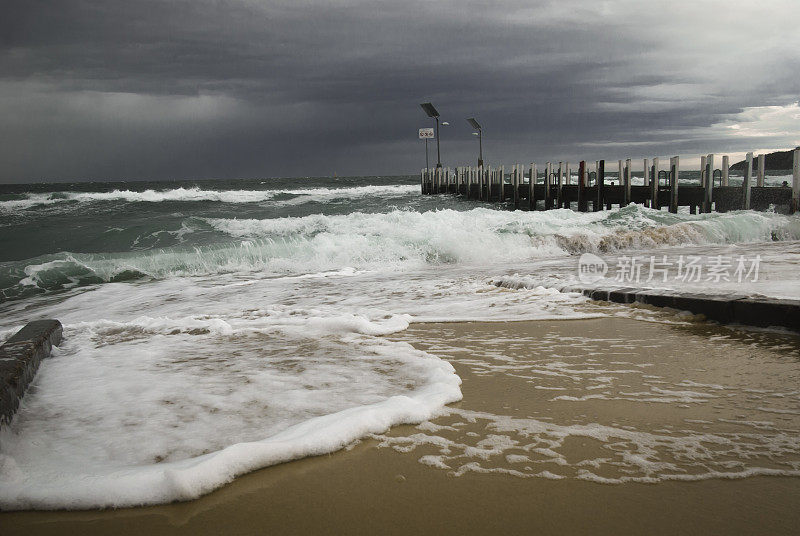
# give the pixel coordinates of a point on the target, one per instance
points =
(445, 123)
(429, 109)
(475, 134)
(474, 123)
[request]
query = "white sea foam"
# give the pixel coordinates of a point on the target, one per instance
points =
(214, 398)
(627, 454)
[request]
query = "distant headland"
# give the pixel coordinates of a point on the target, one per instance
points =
(779, 160)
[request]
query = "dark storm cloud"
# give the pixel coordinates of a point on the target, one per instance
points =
(247, 88)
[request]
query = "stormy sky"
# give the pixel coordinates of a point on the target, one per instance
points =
(253, 88)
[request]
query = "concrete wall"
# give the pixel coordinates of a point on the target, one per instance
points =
(19, 360)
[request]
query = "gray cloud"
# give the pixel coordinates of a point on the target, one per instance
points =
(200, 88)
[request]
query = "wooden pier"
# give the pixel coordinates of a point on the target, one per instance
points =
(528, 188)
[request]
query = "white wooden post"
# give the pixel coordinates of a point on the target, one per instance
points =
(747, 181)
(532, 185)
(725, 167)
(654, 185)
(597, 172)
(709, 182)
(621, 173)
(646, 176)
(703, 177)
(568, 174)
(761, 168)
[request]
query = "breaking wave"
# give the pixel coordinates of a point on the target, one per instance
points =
(285, 196)
(395, 240)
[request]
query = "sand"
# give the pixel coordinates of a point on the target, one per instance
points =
(377, 489)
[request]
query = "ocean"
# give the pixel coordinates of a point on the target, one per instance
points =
(215, 327)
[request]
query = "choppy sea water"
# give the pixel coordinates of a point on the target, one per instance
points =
(212, 328)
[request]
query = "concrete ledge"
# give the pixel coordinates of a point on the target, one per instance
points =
(19, 360)
(726, 309)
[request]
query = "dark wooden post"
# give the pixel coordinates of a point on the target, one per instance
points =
(583, 203)
(502, 178)
(674, 172)
(796, 180)
(601, 181)
(709, 191)
(626, 195)
(747, 181)
(654, 185)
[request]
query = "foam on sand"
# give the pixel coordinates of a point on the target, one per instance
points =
(161, 409)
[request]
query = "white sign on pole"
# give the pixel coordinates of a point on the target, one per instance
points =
(425, 133)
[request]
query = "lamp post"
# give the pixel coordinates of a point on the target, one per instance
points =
(477, 127)
(431, 111)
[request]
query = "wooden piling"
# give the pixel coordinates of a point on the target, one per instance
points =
(548, 196)
(725, 168)
(515, 182)
(747, 181)
(560, 184)
(502, 179)
(601, 183)
(796, 181)
(532, 188)
(646, 182)
(583, 204)
(481, 183)
(674, 172)
(654, 203)
(709, 197)
(627, 190)
(761, 167)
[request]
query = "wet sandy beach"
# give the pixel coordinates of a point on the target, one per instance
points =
(600, 426)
